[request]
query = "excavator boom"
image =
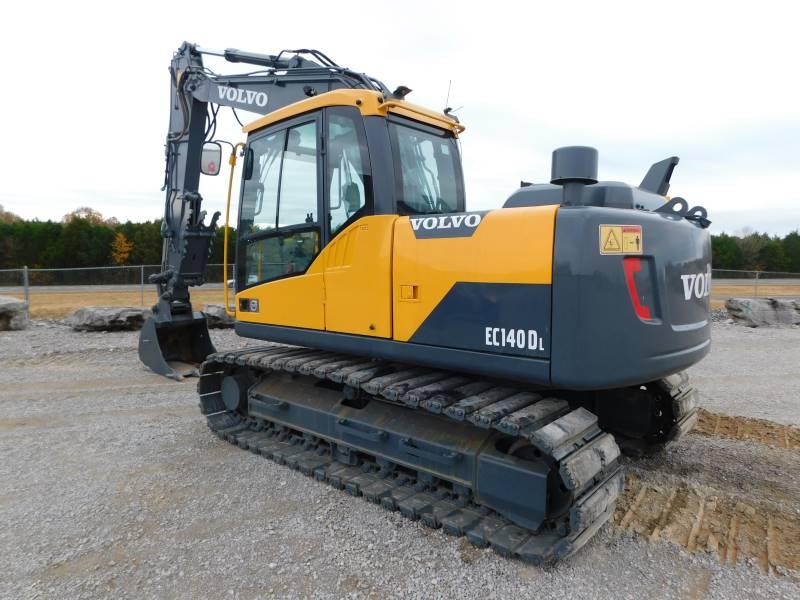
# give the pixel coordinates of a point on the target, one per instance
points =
(175, 339)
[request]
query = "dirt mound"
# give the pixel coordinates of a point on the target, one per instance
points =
(747, 429)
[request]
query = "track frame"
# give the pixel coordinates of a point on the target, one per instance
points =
(529, 474)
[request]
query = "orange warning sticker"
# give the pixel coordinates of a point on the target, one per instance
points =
(621, 239)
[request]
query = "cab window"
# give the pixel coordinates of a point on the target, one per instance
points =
(349, 181)
(279, 228)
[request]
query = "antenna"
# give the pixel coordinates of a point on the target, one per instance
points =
(447, 108)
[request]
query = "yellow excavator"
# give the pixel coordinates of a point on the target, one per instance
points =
(480, 371)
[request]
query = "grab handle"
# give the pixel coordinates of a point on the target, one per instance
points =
(365, 433)
(447, 457)
(262, 402)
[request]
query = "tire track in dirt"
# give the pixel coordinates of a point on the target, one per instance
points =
(707, 520)
(747, 429)
(71, 357)
(726, 502)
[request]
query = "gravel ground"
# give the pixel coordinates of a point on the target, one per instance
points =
(752, 372)
(111, 485)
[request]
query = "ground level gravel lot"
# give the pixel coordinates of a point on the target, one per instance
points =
(112, 486)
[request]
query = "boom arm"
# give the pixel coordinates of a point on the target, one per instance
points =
(196, 93)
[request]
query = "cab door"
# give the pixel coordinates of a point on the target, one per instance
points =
(358, 258)
(279, 282)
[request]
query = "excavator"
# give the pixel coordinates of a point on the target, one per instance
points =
(481, 371)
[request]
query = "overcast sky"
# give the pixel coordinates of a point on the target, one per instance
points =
(85, 93)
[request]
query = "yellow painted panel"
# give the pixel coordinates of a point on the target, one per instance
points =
(358, 271)
(420, 113)
(510, 245)
(292, 302)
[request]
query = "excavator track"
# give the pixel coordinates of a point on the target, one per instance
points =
(310, 410)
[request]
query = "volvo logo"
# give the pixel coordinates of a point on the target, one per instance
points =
(696, 284)
(446, 226)
(471, 220)
(232, 94)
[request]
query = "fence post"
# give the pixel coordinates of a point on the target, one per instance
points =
(141, 285)
(756, 285)
(26, 283)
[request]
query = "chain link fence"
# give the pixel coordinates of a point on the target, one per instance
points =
(53, 293)
(729, 283)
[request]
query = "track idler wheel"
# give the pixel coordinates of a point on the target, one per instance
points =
(234, 390)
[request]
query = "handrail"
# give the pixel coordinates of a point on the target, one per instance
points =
(232, 163)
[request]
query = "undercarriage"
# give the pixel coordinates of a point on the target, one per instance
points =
(532, 473)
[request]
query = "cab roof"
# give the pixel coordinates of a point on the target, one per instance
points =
(370, 103)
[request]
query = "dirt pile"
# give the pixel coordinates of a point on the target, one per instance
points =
(747, 429)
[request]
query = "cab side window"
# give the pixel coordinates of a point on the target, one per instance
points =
(279, 225)
(348, 177)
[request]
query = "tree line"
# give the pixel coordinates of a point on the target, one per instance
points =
(753, 251)
(83, 238)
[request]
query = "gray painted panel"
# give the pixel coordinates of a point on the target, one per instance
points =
(598, 339)
(491, 317)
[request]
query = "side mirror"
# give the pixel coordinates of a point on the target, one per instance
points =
(211, 158)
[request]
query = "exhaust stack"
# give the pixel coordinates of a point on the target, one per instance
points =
(574, 167)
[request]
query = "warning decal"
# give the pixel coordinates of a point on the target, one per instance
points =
(611, 239)
(621, 239)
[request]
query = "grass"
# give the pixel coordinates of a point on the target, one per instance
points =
(58, 305)
(721, 292)
(771, 290)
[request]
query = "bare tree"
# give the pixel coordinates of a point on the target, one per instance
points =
(86, 213)
(7, 216)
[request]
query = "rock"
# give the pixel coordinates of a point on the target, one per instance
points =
(107, 318)
(763, 312)
(217, 317)
(718, 315)
(13, 314)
